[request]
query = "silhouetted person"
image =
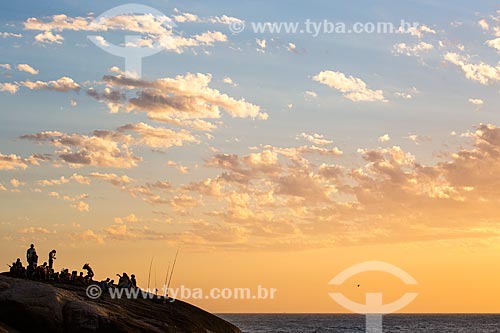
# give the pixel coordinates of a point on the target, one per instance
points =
(90, 272)
(124, 281)
(29, 254)
(133, 281)
(80, 279)
(52, 257)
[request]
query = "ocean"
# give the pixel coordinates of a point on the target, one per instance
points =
(337, 323)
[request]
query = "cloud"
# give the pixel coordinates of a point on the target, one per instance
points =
(482, 73)
(229, 81)
(12, 162)
(62, 84)
(112, 178)
(261, 43)
(81, 206)
(63, 180)
(11, 88)
(292, 47)
(48, 37)
(10, 35)
(317, 139)
(311, 94)
(494, 43)
(158, 29)
(384, 138)
(36, 231)
(186, 17)
(420, 31)
(403, 95)
(27, 68)
(351, 87)
(87, 236)
(132, 218)
(412, 50)
(16, 183)
(476, 101)
(6, 66)
(183, 100)
(484, 24)
(158, 137)
(100, 149)
(417, 139)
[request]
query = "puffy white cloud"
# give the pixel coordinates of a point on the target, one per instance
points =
(11, 162)
(351, 87)
(81, 206)
(112, 178)
(159, 29)
(420, 31)
(186, 17)
(16, 183)
(11, 88)
(100, 149)
(229, 81)
(494, 43)
(317, 139)
(48, 37)
(412, 50)
(62, 84)
(476, 101)
(484, 24)
(183, 100)
(27, 68)
(261, 43)
(384, 138)
(482, 73)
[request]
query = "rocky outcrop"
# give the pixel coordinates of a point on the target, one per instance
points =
(30, 306)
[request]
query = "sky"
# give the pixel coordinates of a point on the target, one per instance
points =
(268, 158)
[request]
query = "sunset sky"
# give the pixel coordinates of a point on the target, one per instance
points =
(269, 159)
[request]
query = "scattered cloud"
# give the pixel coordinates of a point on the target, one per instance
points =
(62, 84)
(482, 73)
(27, 68)
(412, 50)
(384, 138)
(351, 87)
(48, 37)
(11, 88)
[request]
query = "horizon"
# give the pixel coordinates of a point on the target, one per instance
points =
(271, 159)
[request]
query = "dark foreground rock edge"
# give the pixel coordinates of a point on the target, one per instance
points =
(30, 306)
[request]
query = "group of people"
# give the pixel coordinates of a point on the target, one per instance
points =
(33, 270)
(46, 272)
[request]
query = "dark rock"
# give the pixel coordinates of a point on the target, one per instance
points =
(30, 306)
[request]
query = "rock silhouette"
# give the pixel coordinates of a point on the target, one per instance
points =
(31, 306)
